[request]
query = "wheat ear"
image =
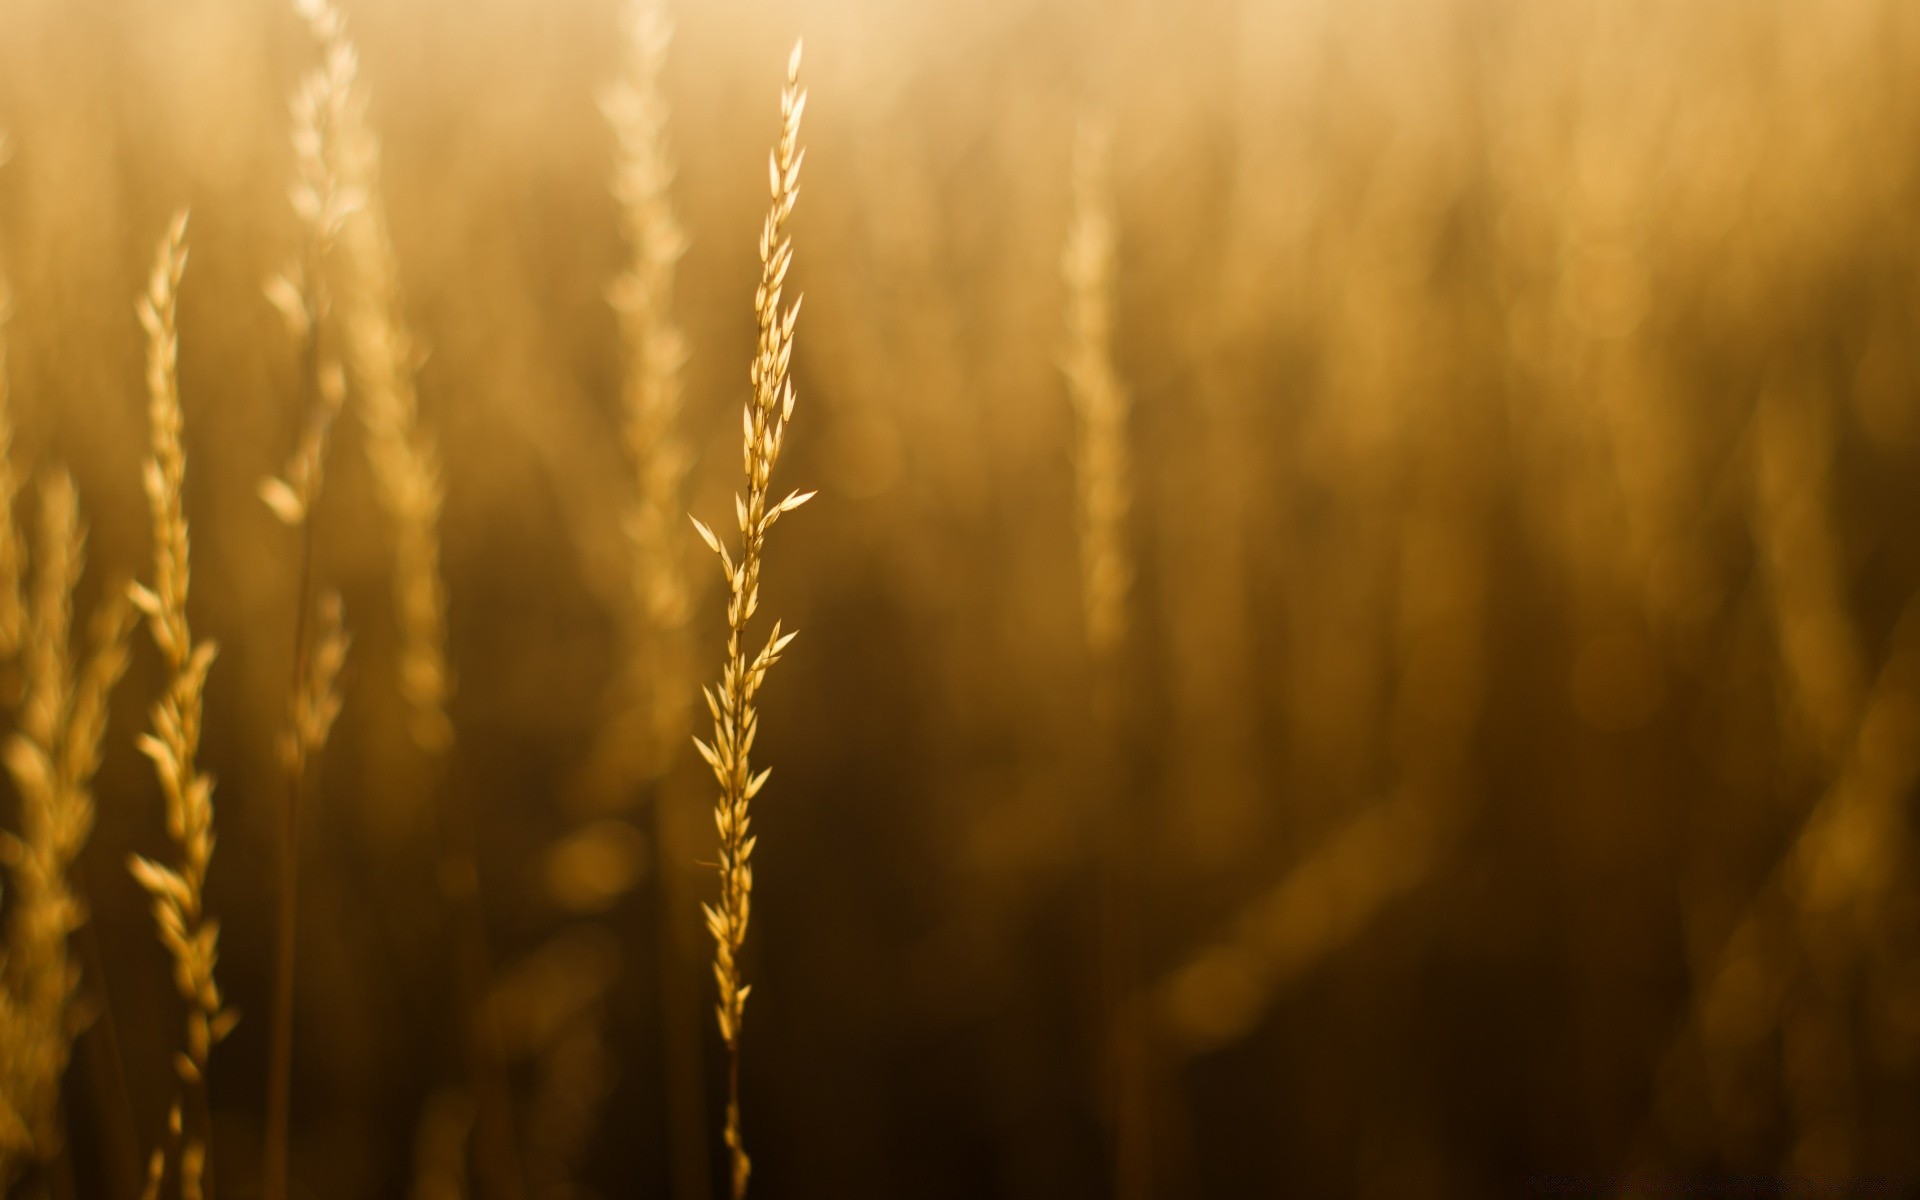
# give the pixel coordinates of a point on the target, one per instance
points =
(178, 892)
(53, 759)
(735, 718)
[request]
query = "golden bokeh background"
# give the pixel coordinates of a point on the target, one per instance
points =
(1507, 775)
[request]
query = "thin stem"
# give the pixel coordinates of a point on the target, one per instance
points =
(273, 1184)
(496, 1137)
(680, 1016)
(109, 1062)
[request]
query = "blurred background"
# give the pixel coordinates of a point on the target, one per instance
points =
(1508, 769)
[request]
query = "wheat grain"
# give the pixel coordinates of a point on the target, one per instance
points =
(735, 717)
(53, 758)
(178, 892)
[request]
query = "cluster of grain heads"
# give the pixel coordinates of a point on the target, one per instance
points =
(735, 717)
(52, 758)
(178, 892)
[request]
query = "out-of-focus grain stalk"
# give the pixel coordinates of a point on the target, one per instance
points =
(1818, 650)
(52, 757)
(1102, 466)
(657, 666)
(178, 892)
(1103, 476)
(406, 470)
(323, 199)
(736, 720)
(1788, 957)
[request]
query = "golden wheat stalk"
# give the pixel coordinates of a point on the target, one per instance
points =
(653, 718)
(1101, 459)
(735, 718)
(381, 351)
(323, 198)
(1103, 470)
(178, 892)
(53, 758)
(407, 481)
(655, 351)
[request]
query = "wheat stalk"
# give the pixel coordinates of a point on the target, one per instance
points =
(323, 199)
(178, 892)
(653, 693)
(1102, 471)
(735, 718)
(407, 482)
(405, 462)
(655, 350)
(53, 758)
(1101, 460)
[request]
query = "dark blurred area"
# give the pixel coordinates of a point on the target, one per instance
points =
(1513, 750)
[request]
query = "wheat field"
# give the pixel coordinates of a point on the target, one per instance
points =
(1344, 620)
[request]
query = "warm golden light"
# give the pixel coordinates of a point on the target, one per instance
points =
(1344, 617)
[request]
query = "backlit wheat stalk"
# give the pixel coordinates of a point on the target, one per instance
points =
(735, 719)
(1099, 402)
(650, 729)
(323, 199)
(178, 892)
(406, 473)
(406, 467)
(655, 350)
(52, 758)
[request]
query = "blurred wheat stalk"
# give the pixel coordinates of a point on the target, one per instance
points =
(648, 732)
(325, 195)
(735, 718)
(52, 758)
(1102, 466)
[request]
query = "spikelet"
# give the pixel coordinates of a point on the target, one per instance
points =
(178, 892)
(383, 357)
(735, 718)
(53, 758)
(1101, 458)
